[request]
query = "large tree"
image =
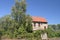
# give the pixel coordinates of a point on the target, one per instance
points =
(20, 16)
(18, 23)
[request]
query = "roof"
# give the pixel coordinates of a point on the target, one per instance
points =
(38, 19)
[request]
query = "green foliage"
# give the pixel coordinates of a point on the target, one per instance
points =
(37, 34)
(50, 32)
(18, 23)
(58, 25)
(21, 30)
(53, 30)
(29, 35)
(57, 33)
(29, 24)
(55, 26)
(20, 16)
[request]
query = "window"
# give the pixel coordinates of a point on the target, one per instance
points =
(44, 27)
(34, 24)
(39, 24)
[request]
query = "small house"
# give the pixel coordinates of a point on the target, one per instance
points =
(39, 23)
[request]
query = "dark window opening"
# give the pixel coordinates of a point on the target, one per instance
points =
(34, 24)
(39, 24)
(44, 27)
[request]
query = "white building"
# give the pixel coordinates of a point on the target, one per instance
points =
(39, 23)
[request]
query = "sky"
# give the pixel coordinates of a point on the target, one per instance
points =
(49, 9)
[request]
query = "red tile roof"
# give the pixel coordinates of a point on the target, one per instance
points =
(38, 19)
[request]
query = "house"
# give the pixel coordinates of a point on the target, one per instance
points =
(39, 23)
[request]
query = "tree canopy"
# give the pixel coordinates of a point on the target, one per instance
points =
(18, 23)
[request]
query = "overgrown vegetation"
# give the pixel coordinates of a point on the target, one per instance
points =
(19, 25)
(53, 31)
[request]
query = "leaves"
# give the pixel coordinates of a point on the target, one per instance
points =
(15, 24)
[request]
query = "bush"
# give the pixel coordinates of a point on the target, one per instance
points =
(37, 34)
(50, 32)
(57, 33)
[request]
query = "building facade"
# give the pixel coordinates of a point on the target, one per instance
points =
(39, 23)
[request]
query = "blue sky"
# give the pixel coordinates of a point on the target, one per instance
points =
(49, 9)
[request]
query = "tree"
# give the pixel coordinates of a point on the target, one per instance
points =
(20, 16)
(18, 23)
(29, 24)
(58, 25)
(18, 12)
(54, 27)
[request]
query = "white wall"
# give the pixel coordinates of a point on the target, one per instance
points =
(39, 28)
